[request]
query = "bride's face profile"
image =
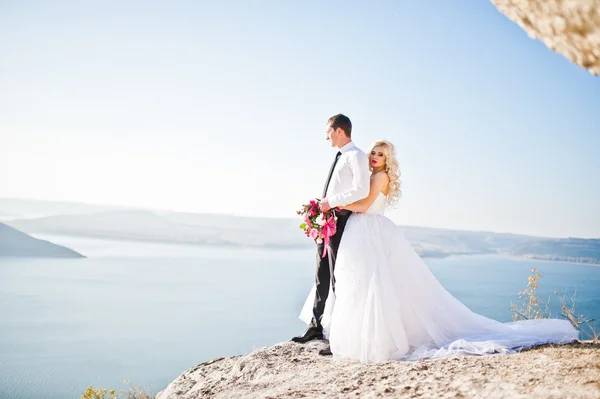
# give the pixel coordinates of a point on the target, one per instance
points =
(377, 158)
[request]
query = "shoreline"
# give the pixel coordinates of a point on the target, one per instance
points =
(525, 258)
(234, 246)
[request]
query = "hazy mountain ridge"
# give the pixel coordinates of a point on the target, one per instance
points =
(27, 208)
(227, 230)
(563, 249)
(15, 243)
(167, 227)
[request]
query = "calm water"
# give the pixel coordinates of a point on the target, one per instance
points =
(147, 312)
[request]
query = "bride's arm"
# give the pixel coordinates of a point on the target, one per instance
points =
(378, 183)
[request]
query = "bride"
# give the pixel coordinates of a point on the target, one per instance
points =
(387, 303)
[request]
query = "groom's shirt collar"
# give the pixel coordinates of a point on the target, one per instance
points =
(347, 147)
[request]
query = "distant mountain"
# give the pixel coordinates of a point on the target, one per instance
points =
(459, 242)
(10, 208)
(210, 229)
(226, 230)
(17, 244)
(172, 227)
(563, 249)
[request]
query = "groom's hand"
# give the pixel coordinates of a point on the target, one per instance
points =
(324, 205)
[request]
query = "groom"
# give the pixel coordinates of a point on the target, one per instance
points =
(348, 181)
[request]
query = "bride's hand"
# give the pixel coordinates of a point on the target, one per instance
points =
(324, 205)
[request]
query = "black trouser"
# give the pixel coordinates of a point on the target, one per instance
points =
(325, 267)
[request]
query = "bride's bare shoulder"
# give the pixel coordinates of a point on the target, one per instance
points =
(381, 181)
(381, 176)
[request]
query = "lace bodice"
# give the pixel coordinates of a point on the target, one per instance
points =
(378, 206)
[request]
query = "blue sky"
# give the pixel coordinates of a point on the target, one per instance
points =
(220, 107)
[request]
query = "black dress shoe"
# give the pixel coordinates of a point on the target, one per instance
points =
(326, 351)
(309, 335)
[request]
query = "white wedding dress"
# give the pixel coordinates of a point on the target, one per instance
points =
(389, 306)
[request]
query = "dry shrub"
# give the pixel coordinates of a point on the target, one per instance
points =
(134, 392)
(530, 308)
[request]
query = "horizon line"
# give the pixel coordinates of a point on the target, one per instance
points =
(136, 207)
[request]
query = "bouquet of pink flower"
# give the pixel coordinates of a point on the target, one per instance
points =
(319, 226)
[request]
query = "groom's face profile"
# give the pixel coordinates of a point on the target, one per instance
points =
(334, 136)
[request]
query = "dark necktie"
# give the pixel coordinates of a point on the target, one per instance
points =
(337, 156)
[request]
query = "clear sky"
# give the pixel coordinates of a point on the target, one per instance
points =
(219, 107)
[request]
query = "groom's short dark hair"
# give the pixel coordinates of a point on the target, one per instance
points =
(341, 121)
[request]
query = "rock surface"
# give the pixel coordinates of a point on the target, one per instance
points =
(290, 370)
(15, 243)
(571, 28)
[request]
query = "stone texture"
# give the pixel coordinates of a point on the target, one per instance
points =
(569, 27)
(290, 370)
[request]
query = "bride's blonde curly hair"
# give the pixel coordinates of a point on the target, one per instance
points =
(392, 168)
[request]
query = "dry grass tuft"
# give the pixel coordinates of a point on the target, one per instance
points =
(134, 392)
(530, 308)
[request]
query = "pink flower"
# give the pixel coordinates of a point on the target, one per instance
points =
(307, 221)
(314, 234)
(331, 221)
(332, 227)
(323, 227)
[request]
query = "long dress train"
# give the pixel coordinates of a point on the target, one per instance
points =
(389, 306)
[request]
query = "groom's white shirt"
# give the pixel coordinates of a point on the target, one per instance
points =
(351, 177)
